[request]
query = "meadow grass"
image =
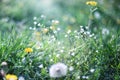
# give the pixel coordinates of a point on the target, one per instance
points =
(90, 52)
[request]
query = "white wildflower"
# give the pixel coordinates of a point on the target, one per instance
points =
(92, 70)
(66, 35)
(58, 70)
(4, 63)
(35, 23)
(59, 43)
(58, 29)
(71, 68)
(58, 55)
(43, 16)
(21, 78)
(75, 31)
(39, 24)
(30, 28)
(61, 51)
(34, 18)
(69, 31)
(40, 66)
(73, 54)
(87, 77)
(55, 21)
(51, 60)
(83, 77)
(34, 28)
(78, 77)
(54, 32)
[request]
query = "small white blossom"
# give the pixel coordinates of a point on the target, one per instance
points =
(4, 63)
(40, 66)
(51, 60)
(58, 70)
(55, 32)
(39, 24)
(78, 77)
(87, 77)
(66, 35)
(58, 29)
(69, 31)
(61, 51)
(81, 30)
(35, 22)
(21, 78)
(92, 70)
(63, 47)
(57, 55)
(43, 16)
(30, 28)
(83, 77)
(72, 53)
(34, 28)
(55, 21)
(96, 51)
(59, 43)
(71, 68)
(34, 18)
(75, 31)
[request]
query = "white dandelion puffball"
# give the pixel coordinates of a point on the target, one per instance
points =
(58, 70)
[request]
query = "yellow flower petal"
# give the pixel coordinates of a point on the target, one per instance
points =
(91, 3)
(28, 50)
(11, 77)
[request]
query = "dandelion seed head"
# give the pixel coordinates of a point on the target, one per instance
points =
(58, 70)
(105, 31)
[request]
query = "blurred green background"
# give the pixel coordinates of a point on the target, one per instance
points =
(70, 13)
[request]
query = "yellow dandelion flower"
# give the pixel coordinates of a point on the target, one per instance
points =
(28, 50)
(45, 30)
(92, 3)
(11, 77)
